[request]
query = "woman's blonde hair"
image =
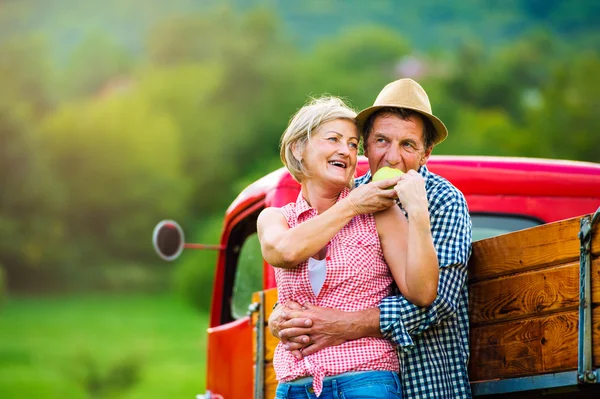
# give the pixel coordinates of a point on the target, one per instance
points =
(315, 113)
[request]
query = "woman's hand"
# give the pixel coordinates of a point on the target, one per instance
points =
(373, 197)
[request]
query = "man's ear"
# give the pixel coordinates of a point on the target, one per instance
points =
(425, 156)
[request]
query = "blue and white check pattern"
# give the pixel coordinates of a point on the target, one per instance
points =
(433, 342)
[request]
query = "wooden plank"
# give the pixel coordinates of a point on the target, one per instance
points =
(270, 345)
(270, 382)
(596, 337)
(516, 349)
(270, 341)
(596, 281)
(549, 244)
(529, 347)
(534, 293)
(529, 294)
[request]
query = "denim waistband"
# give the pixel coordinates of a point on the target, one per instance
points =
(309, 379)
(352, 377)
(335, 385)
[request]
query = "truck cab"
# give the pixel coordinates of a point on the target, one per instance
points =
(503, 195)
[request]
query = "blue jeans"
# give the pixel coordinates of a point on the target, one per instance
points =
(360, 385)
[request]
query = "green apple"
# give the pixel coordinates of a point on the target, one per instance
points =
(387, 173)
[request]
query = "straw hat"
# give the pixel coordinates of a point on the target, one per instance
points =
(405, 93)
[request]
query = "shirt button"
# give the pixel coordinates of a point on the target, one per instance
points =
(311, 390)
(328, 258)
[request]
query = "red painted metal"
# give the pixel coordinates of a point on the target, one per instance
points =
(210, 247)
(229, 360)
(472, 175)
(547, 190)
(544, 189)
(219, 283)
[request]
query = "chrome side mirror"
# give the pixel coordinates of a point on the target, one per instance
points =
(168, 240)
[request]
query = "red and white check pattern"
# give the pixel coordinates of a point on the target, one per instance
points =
(357, 278)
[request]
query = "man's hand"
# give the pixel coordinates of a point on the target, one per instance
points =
(322, 326)
(308, 330)
(411, 193)
(373, 197)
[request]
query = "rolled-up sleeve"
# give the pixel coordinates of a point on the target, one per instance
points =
(451, 231)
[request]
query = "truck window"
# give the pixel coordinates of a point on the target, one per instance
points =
(486, 226)
(248, 276)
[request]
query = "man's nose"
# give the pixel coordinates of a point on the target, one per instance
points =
(393, 156)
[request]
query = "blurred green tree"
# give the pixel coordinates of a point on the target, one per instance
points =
(28, 233)
(357, 63)
(96, 147)
(26, 74)
(92, 65)
(565, 122)
(118, 162)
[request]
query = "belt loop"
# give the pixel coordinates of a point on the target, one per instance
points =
(397, 379)
(310, 391)
(284, 389)
(334, 388)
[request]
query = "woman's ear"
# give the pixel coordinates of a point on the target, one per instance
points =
(297, 152)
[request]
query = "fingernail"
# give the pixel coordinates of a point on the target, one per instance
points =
(307, 322)
(305, 339)
(286, 347)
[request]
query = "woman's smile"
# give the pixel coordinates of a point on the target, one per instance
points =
(334, 144)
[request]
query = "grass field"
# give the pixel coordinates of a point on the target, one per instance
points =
(101, 347)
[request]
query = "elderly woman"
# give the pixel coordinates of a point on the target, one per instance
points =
(328, 250)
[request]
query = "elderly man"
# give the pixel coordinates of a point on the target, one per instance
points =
(400, 131)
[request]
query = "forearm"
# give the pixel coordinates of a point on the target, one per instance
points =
(422, 268)
(314, 328)
(451, 232)
(363, 323)
(301, 242)
(392, 228)
(400, 319)
(409, 252)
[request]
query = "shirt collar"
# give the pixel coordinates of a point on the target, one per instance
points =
(302, 205)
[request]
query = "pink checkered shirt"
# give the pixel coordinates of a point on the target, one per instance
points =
(357, 278)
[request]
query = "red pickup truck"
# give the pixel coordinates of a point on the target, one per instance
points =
(503, 194)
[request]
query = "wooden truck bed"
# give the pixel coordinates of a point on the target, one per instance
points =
(525, 307)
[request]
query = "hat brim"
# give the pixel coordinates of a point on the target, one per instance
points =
(440, 128)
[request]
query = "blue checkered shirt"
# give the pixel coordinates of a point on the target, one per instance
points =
(433, 342)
